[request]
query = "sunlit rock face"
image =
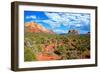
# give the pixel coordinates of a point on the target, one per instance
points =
(34, 27)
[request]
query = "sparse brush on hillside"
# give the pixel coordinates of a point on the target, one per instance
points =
(55, 46)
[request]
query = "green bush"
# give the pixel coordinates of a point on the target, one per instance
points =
(29, 55)
(71, 43)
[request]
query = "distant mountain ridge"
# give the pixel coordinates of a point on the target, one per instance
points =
(36, 28)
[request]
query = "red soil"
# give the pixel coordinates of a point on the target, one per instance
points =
(50, 48)
(45, 57)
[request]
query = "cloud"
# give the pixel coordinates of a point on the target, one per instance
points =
(78, 25)
(60, 31)
(53, 24)
(56, 17)
(31, 17)
(67, 19)
(55, 20)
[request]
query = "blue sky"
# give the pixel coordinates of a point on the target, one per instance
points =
(60, 22)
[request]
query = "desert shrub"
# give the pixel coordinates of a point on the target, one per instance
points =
(29, 55)
(67, 45)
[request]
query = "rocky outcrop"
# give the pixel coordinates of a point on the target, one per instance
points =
(34, 27)
(88, 33)
(73, 32)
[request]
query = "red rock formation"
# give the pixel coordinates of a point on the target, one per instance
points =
(73, 32)
(34, 27)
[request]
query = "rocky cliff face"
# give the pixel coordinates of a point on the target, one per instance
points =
(73, 32)
(34, 27)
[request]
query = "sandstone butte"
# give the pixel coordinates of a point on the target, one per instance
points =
(34, 27)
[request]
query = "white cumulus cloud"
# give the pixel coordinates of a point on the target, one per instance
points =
(31, 17)
(67, 19)
(60, 31)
